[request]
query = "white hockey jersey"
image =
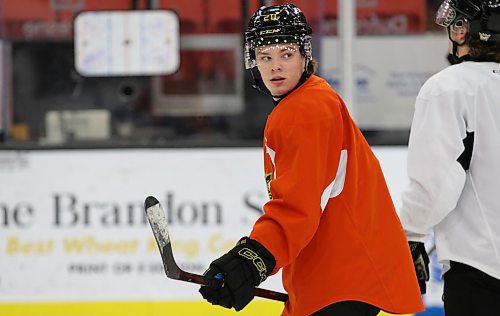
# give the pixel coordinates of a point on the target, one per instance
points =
(457, 123)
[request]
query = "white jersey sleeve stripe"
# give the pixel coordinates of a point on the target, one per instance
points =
(337, 185)
(272, 155)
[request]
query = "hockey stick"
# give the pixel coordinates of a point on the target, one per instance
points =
(158, 221)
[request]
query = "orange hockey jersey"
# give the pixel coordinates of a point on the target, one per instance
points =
(330, 222)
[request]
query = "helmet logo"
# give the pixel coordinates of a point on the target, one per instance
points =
(270, 17)
(264, 32)
(484, 36)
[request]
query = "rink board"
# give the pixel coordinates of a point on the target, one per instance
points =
(72, 240)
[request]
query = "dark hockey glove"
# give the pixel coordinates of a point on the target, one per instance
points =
(230, 281)
(421, 263)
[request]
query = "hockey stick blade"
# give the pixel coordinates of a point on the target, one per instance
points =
(158, 222)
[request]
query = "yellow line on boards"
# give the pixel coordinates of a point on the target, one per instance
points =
(183, 308)
(148, 308)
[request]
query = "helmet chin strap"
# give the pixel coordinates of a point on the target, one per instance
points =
(453, 58)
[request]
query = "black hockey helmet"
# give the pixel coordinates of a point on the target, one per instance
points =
(277, 24)
(481, 17)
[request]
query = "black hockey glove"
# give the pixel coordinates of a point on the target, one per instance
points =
(230, 281)
(421, 263)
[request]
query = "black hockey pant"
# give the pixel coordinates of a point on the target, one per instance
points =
(470, 292)
(348, 308)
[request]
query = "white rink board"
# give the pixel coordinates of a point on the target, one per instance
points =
(71, 226)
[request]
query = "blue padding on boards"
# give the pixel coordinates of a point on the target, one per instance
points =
(432, 311)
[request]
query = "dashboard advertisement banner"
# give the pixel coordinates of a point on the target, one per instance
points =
(73, 226)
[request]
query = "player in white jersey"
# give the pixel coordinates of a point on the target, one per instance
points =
(454, 162)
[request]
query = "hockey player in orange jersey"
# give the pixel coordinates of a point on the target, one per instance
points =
(330, 223)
